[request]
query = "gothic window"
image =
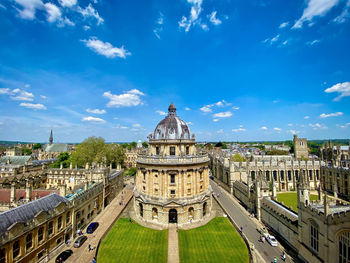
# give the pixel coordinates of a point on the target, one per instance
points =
(314, 236)
(274, 175)
(29, 241)
(289, 175)
(310, 175)
(252, 175)
(267, 173)
(296, 175)
(317, 175)
(157, 150)
(40, 234)
(172, 150)
(282, 175)
(344, 247)
(187, 150)
(15, 249)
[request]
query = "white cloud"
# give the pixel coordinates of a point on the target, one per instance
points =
(127, 99)
(307, 117)
(240, 129)
(274, 39)
(216, 120)
(318, 126)
(293, 132)
(93, 119)
(220, 131)
(86, 27)
(136, 125)
(206, 109)
(67, 3)
(159, 25)
(264, 128)
(284, 24)
(236, 108)
(313, 42)
(193, 19)
(33, 106)
(344, 15)
(342, 88)
(163, 113)
(105, 48)
(29, 8)
(277, 129)
(6, 91)
(335, 114)
(27, 86)
(189, 123)
(345, 125)
(95, 111)
(213, 19)
(115, 118)
(285, 42)
(315, 8)
(53, 12)
(290, 125)
(89, 12)
(18, 94)
(43, 97)
(3, 7)
(187, 108)
(225, 114)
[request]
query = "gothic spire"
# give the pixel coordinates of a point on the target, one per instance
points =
(51, 137)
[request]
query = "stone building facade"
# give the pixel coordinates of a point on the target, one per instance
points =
(335, 155)
(172, 181)
(301, 150)
(336, 180)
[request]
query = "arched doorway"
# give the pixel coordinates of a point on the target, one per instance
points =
(204, 209)
(172, 216)
(141, 209)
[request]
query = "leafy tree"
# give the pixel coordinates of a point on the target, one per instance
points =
(131, 171)
(277, 152)
(238, 158)
(37, 146)
(145, 145)
(62, 158)
(224, 145)
(26, 151)
(94, 149)
(133, 144)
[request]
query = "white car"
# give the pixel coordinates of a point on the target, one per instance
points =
(272, 240)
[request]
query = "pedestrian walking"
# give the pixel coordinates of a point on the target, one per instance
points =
(241, 229)
(89, 247)
(94, 260)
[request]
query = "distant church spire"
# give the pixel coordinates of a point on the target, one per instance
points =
(51, 137)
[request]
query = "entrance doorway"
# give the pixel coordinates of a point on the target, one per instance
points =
(172, 216)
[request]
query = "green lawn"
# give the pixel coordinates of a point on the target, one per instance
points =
(217, 241)
(291, 200)
(127, 242)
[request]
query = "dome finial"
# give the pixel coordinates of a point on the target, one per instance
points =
(172, 109)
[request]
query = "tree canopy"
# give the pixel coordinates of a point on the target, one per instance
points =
(37, 146)
(62, 158)
(238, 158)
(94, 149)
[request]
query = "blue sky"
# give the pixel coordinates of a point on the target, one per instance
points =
(236, 70)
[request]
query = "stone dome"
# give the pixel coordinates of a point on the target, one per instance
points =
(172, 127)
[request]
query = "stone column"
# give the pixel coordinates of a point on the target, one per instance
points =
(28, 191)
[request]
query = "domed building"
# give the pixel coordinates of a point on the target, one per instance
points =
(172, 181)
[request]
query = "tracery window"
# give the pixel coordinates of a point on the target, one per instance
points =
(314, 236)
(344, 247)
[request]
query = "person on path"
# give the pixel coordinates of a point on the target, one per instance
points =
(241, 229)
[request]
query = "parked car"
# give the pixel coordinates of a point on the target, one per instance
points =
(92, 227)
(272, 240)
(64, 255)
(80, 240)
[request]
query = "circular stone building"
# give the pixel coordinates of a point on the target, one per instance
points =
(172, 181)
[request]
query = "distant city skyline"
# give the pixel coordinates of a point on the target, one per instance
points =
(236, 70)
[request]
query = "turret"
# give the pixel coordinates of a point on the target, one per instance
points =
(303, 191)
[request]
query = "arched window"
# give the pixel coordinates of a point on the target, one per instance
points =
(344, 247)
(154, 213)
(282, 175)
(252, 175)
(190, 213)
(314, 235)
(274, 175)
(289, 174)
(15, 249)
(29, 242)
(141, 209)
(267, 173)
(296, 175)
(40, 234)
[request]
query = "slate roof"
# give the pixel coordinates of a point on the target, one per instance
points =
(15, 160)
(56, 147)
(27, 212)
